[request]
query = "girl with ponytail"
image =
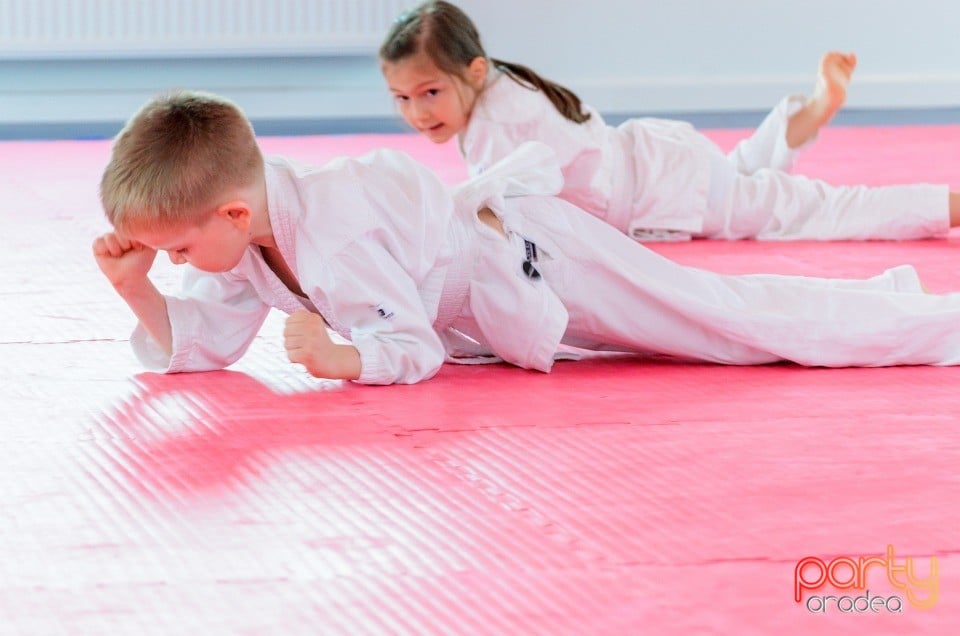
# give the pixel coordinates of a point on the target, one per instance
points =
(652, 179)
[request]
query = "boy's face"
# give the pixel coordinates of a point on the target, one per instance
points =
(434, 103)
(216, 246)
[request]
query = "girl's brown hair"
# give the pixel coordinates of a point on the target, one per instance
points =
(451, 40)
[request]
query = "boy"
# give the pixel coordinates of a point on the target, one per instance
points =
(412, 274)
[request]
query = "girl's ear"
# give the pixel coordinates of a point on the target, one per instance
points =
(237, 212)
(477, 72)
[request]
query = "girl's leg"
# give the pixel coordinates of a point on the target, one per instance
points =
(774, 205)
(767, 146)
(794, 123)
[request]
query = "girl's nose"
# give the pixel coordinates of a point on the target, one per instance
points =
(418, 112)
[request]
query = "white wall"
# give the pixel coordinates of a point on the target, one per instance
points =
(623, 56)
(708, 55)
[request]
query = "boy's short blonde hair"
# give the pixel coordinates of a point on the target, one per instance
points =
(174, 158)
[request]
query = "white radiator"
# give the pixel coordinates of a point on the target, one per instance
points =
(68, 29)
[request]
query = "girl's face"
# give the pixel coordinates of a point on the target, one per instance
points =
(434, 103)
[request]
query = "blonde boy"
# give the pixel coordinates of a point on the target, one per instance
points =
(412, 274)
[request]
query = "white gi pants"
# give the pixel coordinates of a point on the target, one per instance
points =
(615, 294)
(751, 195)
(663, 171)
(767, 147)
(773, 205)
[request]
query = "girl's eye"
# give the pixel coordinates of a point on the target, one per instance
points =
(401, 98)
(433, 92)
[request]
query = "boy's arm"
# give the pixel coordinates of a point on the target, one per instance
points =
(207, 327)
(125, 263)
(150, 308)
(369, 298)
(213, 320)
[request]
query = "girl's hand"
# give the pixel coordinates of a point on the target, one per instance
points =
(123, 261)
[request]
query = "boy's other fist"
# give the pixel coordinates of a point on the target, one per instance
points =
(307, 341)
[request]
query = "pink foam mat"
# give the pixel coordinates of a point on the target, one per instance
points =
(613, 496)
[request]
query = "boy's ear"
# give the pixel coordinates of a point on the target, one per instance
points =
(237, 212)
(477, 71)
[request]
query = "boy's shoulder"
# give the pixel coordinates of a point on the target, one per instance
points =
(340, 169)
(323, 206)
(353, 194)
(299, 170)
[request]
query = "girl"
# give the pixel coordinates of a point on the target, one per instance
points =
(650, 178)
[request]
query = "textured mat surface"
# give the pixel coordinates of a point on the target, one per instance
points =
(612, 496)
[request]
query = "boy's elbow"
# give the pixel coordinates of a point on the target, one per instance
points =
(409, 375)
(406, 368)
(429, 366)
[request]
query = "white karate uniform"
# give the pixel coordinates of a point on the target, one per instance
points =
(405, 270)
(661, 179)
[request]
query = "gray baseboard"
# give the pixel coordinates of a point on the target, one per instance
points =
(83, 99)
(386, 125)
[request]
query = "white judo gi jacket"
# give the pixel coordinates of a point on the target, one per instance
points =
(389, 257)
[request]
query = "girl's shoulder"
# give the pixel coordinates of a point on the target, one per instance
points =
(506, 100)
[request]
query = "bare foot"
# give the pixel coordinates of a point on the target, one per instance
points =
(831, 89)
(828, 97)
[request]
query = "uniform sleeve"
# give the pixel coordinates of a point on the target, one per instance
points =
(213, 322)
(530, 170)
(488, 142)
(367, 297)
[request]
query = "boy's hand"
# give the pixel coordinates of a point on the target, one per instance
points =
(308, 343)
(125, 263)
(122, 260)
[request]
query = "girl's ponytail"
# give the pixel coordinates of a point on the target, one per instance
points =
(563, 99)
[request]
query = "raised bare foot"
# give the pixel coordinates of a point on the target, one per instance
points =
(831, 90)
(828, 97)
